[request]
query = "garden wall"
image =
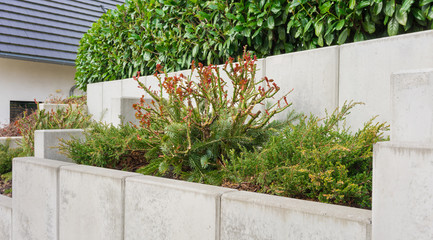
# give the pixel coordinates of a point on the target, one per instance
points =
(5, 217)
(14, 142)
(59, 200)
(321, 78)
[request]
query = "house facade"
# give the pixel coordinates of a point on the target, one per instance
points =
(38, 46)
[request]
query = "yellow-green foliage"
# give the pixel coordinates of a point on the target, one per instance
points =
(314, 159)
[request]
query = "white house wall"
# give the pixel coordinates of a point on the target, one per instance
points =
(25, 81)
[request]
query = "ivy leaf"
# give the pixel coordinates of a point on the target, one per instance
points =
(340, 25)
(363, 4)
(390, 8)
(329, 38)
(417, 13)
(195, 50)
(368, 25)
(406, 5)
(320, 41)
(424, 2)
(352, 4)
(318, 27)
(401, 17)
(271, 22)
(308, 25)
(430, 14)
(377, 8)
(393, 27)
(324, 8)
(358, 36)
(343, 36)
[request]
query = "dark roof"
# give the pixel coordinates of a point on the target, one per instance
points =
(47, 30)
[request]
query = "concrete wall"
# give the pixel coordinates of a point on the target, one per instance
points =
(5, 218)
(14, 142)
(403, 167)
(47, 142)
(69, 201)
(25, 81)
(323, 79)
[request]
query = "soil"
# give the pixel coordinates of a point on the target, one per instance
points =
(244, 186)
(5, 186)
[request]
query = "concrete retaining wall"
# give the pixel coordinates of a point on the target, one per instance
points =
(322, 79)
(403, 167)
(58, 200)
(14, 142)
(5, 218)
(47, 142)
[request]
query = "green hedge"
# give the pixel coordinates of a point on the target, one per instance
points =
(141, 34)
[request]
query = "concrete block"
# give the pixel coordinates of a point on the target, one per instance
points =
(313, 76)
(35, 209)
(48, 107)
(14, 142)
(158, 208)
(402, 191)
(48, 141)
(412, 109)
(5, 218)
(246, 215)
(122, 110)
(131, 89)
(91, 203)
(94, 100)
(111, 89)
(366, 68)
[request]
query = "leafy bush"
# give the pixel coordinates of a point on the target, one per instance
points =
(108, 146)
(70, 118)
(196, 124)
(141, 34)
(313, 159)
(6, 156)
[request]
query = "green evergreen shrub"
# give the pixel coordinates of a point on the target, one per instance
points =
(141, 34)
(107, 146)
(6, 155)
(315, 159)
(196, 124)
(69, 118)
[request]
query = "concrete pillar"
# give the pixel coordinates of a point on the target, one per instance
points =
(48, 141)
(403, 167)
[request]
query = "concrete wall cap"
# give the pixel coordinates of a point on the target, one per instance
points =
(383, 39)
(5, 201)
(301, 52)
(98, 171)
(10, 138)
(60, 130)
(315, 208)
(179, 185)
(41, 162)
(404, 145)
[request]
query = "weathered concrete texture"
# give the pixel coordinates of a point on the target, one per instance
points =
(94, 100)
(48, 107)
(366, 67)
(48, 141)
(13, 142)
(313, 76)
(91, 203)
(122, 110)
(5, 218)
(412, 109)
(402, 191)
(35, 198)
(158, 208)
(246, 215)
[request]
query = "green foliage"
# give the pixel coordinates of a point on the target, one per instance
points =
(72, 117)
(314, 159)
(197, 123)
(141, 34)
(6, 155)
(103, 145)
